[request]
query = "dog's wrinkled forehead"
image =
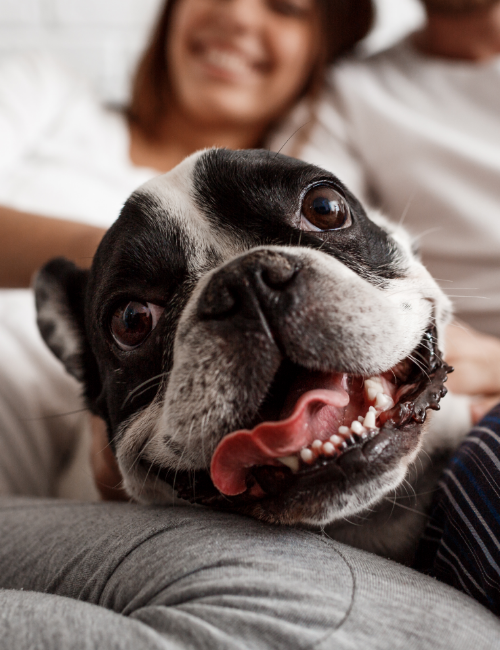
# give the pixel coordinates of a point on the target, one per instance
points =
(219, 203)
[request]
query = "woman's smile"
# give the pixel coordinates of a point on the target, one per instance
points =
(227, 62)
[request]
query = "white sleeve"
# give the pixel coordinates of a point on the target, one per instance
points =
(329, 145)
(322, 138)
(33, 90)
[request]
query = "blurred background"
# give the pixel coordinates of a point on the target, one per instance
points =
(100, 39)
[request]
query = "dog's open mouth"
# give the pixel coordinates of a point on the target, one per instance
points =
(311, 422)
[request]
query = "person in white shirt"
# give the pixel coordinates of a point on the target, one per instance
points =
(215, 73)
(415, 131)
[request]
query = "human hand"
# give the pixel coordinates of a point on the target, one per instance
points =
(476, 359)
(105, 468)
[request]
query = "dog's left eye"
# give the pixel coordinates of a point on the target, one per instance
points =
(323, 209)
(133, 321)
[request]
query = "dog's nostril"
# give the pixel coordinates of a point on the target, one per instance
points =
(279, 276)
(248, 287)
(217, 301)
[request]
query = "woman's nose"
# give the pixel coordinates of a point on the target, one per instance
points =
(241, 15)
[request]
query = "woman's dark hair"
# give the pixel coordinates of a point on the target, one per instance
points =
(342, 24)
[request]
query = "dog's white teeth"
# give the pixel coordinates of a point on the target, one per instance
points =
(370, 418)
(340, 441)
(307, 455)
(383, 402)
(328, 449)
(290, 461)
(317, 445)
(357, 427)
(374, 391)
(373, 386)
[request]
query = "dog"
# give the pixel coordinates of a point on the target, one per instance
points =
(256, 342)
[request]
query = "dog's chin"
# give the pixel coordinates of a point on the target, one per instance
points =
(348, 467)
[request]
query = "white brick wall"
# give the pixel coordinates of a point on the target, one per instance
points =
(101, 39)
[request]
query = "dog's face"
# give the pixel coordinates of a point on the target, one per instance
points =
(253, 340)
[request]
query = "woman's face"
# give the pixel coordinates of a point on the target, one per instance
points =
(240, 62)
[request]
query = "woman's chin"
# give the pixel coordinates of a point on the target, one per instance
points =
(226, 107)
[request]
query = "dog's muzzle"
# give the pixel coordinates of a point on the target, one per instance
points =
(313, 426)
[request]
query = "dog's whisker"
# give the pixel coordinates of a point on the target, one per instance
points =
(139, 456)
(151, 465)
(478, 297)
(407, 207)
(56, 415)
(419, 365)
(288, 140)
(148, 388)
(408, 486)
(429, 231)
(412, 510)
(144, 383)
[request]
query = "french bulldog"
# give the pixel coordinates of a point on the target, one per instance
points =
(255, 341)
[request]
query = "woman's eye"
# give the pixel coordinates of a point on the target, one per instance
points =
(133, 321)
(292, 8)
(324, 209)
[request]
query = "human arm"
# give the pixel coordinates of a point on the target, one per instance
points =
(105, 469)
(29, 240)
(37, 95)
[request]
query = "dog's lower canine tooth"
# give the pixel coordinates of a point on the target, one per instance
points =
(290, 461)
(370, 418)
(307, 455)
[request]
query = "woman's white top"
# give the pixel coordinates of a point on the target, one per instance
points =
(62, 154)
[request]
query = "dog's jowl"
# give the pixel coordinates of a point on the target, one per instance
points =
(255, 342)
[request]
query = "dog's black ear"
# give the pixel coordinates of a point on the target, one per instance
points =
(59, 294)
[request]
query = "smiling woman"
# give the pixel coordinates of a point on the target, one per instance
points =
(224, 72)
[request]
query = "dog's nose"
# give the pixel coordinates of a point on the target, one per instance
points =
(257, 284)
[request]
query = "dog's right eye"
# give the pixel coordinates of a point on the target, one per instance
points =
(132, 322)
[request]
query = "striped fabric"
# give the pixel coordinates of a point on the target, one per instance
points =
(461, 544)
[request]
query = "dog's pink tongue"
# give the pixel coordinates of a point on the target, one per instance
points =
(316, 415)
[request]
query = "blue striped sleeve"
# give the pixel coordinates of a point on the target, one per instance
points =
(461, 544)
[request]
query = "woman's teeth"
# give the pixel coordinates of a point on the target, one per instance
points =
(362, 428)
(228, 61)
